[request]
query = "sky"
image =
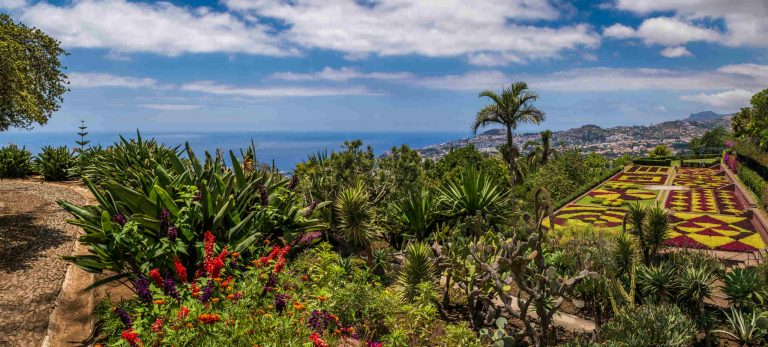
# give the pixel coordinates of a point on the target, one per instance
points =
(396, 65)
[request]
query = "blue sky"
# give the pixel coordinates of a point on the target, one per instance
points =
(396, 65)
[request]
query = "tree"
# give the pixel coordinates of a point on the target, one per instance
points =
(82, 142)
(31, 79)
(713, 138)
(660, 151)
(546, 146)
(751, 123)
(510, 109)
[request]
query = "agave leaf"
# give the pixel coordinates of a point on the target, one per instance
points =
(167, 201)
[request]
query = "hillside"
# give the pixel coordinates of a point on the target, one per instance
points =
(613, 142)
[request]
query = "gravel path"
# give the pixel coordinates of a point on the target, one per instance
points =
(33, 238)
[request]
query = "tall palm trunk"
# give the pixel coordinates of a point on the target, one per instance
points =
(512, 165)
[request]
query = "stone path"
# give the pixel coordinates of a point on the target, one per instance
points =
(33, 238)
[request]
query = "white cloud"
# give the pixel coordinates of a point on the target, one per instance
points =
(12, 4)
(340, 75)
(602, 79)
(97, 80)
(619, 31)
(676, 52)
(661, 108)
(209, 87)
(489, 32)
(666, 31)
(171, 107)
(746, 70)
(744, 20)
(161, 28)
(730, 99)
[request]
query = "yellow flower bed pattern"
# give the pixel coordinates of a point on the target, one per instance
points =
(714, 231)
(602, 217)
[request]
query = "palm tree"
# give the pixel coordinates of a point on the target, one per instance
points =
(546, 145)
(513, 107)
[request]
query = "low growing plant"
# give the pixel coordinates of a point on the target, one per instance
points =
(54, 163)
(15, 162)
(650, 325)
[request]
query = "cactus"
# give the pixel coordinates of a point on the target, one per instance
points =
(502, 261)
(498, 338)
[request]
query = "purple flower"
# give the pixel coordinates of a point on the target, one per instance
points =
(169, 287)
(375, 344)
(207, 292)
(264, 195)
(165, 215)
(312, 208)
(142, 289)
(319, 321)
(119, 219)
(280, 302)
(294, 182)
(307, 238)
(124, 316)
(198, 196)
(271, 283)
(172, 233)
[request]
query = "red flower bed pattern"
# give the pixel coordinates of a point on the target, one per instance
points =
(701, 178)
(719, 201)
(642, 169)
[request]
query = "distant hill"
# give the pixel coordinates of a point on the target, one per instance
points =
(704, 116)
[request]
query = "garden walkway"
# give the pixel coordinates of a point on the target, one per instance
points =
(33, 237)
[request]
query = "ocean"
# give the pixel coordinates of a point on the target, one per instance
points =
(285, 148)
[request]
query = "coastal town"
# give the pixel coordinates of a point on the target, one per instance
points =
(613, 142)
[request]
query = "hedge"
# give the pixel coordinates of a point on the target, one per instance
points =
(750, 156)
(652, 162)
(698, 162)
(755, 183)
(587, 187)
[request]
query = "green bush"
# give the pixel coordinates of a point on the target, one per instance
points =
(14, 162)
(651, 325)
(84, 159)
(755, 183)
(54, 163)
(652, 162)
(745, 288)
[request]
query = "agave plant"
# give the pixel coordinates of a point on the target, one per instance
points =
(356, 217)
(473, 193)
(14, 162)
(657, 283)
(418, 268)
(161, 213)
(416, 215)
(54, 163)
(744, 288)
(747, 328)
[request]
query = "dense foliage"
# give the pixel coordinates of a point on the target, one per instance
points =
(751, 123)
(15, 162)
(31, 75)
(54, 163)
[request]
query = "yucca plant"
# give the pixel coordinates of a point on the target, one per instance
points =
(655, 232)
(14, 162)
(650, 325)
(419, 268)
(472, 193)
(356, 217)
(658, 284)
(744, 288)
(162, 212)
(54, 163)
(748, 329)
(415, 215)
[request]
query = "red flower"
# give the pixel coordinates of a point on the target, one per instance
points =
(181, 271)
(209, 239)
(279, 265)
(226, 282)
(154, 274)
(157, 326)
(131, 337)
(183, 312)
(213, 266)
(315, 338)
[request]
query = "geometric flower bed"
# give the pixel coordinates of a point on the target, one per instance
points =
(622, 194)
(718, 201)
(640, 178)
(714, 231)
(598, 216)
(701, 178)
(641, 169)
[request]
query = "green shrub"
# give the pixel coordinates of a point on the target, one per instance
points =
(84, 159)
(652, 162)
(745, 288)
(419, 268)
(14, 162)
(662, 325)
(54, 163)
(755, 183)
(459, 335)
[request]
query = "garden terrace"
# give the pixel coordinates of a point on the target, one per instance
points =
(707, 209)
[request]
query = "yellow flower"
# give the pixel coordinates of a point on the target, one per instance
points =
(298, 306)
(159, 302)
